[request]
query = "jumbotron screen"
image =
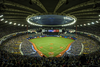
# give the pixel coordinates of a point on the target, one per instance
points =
(55, 30)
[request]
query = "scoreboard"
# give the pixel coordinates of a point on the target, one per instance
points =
(52, 30)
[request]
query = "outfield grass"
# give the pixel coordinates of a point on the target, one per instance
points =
(51, 44)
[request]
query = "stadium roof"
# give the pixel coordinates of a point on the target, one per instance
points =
(15, 12)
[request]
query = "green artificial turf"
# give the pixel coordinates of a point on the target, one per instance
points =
(57, 43)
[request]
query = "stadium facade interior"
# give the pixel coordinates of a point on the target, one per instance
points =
(50, 33)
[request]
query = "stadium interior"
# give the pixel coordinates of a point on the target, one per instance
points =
(50, 33)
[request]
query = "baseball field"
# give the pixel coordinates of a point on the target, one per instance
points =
(51, 46)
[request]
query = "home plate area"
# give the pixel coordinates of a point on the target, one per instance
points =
(51, 54)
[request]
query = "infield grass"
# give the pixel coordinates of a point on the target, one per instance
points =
(51, 46)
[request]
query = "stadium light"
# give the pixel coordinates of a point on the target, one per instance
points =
(99, 15)
(10, 22)
(22, 25)
(81, 25)
(67, 18)
(2, 19)
(70, 17)
(70, 23)
(1, 16)
(14, 23)
(6, 21)
(92, 22)
(33, 23)
(77, 25)
(84, 24)
(37, 17)
(88, 23)
(97, 21)
(25, 25)
(18, 24)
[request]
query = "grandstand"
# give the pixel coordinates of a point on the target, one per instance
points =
(50, 33)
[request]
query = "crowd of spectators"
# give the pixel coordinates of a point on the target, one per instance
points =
(28, 49)
(94, 30)
(68, 34)
(75, 48)
(13, 60)
(12, 44)
(89, 44)
(5, 30)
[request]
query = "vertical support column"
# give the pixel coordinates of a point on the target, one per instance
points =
(76, 30)
(27, 30)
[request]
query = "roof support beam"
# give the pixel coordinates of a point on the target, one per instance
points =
(39, 4)
(60, 3)
(91, 2)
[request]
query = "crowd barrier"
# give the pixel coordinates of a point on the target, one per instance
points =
(33, 49)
